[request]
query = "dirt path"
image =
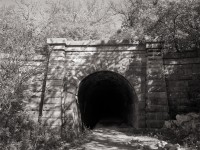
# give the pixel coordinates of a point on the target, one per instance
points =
(112, 138)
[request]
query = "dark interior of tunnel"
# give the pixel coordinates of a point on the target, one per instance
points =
(107, 98)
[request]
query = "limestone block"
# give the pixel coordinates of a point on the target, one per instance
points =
(196, 68)
(154, 58)
(60, 58)
(182, 61)
(158, 101)
(56, 63)
(56, 75)
(156, 65)
(177, 95)
(185, 108)
(51, 114)
(154, 53)
(59, 48)
(180, 55)
(176, 87)
(154, 123)
(58, 53)
(184, 101)
(153, 62)
(194, 83)
(196, 76)
(137, 88)
(78, 55)
(156, 88)
(181, 70)
(141, 106)
(53, 100)
(141, 97)
(120, 48)
(52, 107)
(153, 71)
(56, 70)
(173, 77)
(142, 120)
(157, 95)
(81, 49)
(154, 45)
(157, 108)
(178, 83)
(157, 116)
(142, 124)
(156, 77)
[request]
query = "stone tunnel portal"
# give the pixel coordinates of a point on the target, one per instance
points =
(106, 96)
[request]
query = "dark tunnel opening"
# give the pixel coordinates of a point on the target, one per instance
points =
(105, 97)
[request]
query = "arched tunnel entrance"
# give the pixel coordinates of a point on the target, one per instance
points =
(106, 95)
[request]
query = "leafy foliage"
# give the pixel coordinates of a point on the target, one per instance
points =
(175, 22)
(23, 32)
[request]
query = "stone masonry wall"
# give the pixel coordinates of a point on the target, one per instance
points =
(163, 84)
(71, 62)
(157, 103)
(183, 81)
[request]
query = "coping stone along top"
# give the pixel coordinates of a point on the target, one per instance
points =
(64, 41)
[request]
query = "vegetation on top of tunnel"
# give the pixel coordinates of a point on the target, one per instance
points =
(175, 22)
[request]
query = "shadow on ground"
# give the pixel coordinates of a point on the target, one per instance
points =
(115, 137)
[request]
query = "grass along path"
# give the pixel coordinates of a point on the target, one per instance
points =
(116, 138)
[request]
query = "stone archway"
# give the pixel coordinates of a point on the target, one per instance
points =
(72, 62)
(106, 95)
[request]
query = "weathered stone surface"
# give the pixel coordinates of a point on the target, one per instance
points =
(53, 100)
(58, 54)
(154, 123)
(161, 95)
(156, 88)
(157, 108)
(142, 106)
(159, 115)
(53, 93)
(180, 55)
(158, 101)
(182, 61)
(51, 114)
(52, 106)
(157, 82)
